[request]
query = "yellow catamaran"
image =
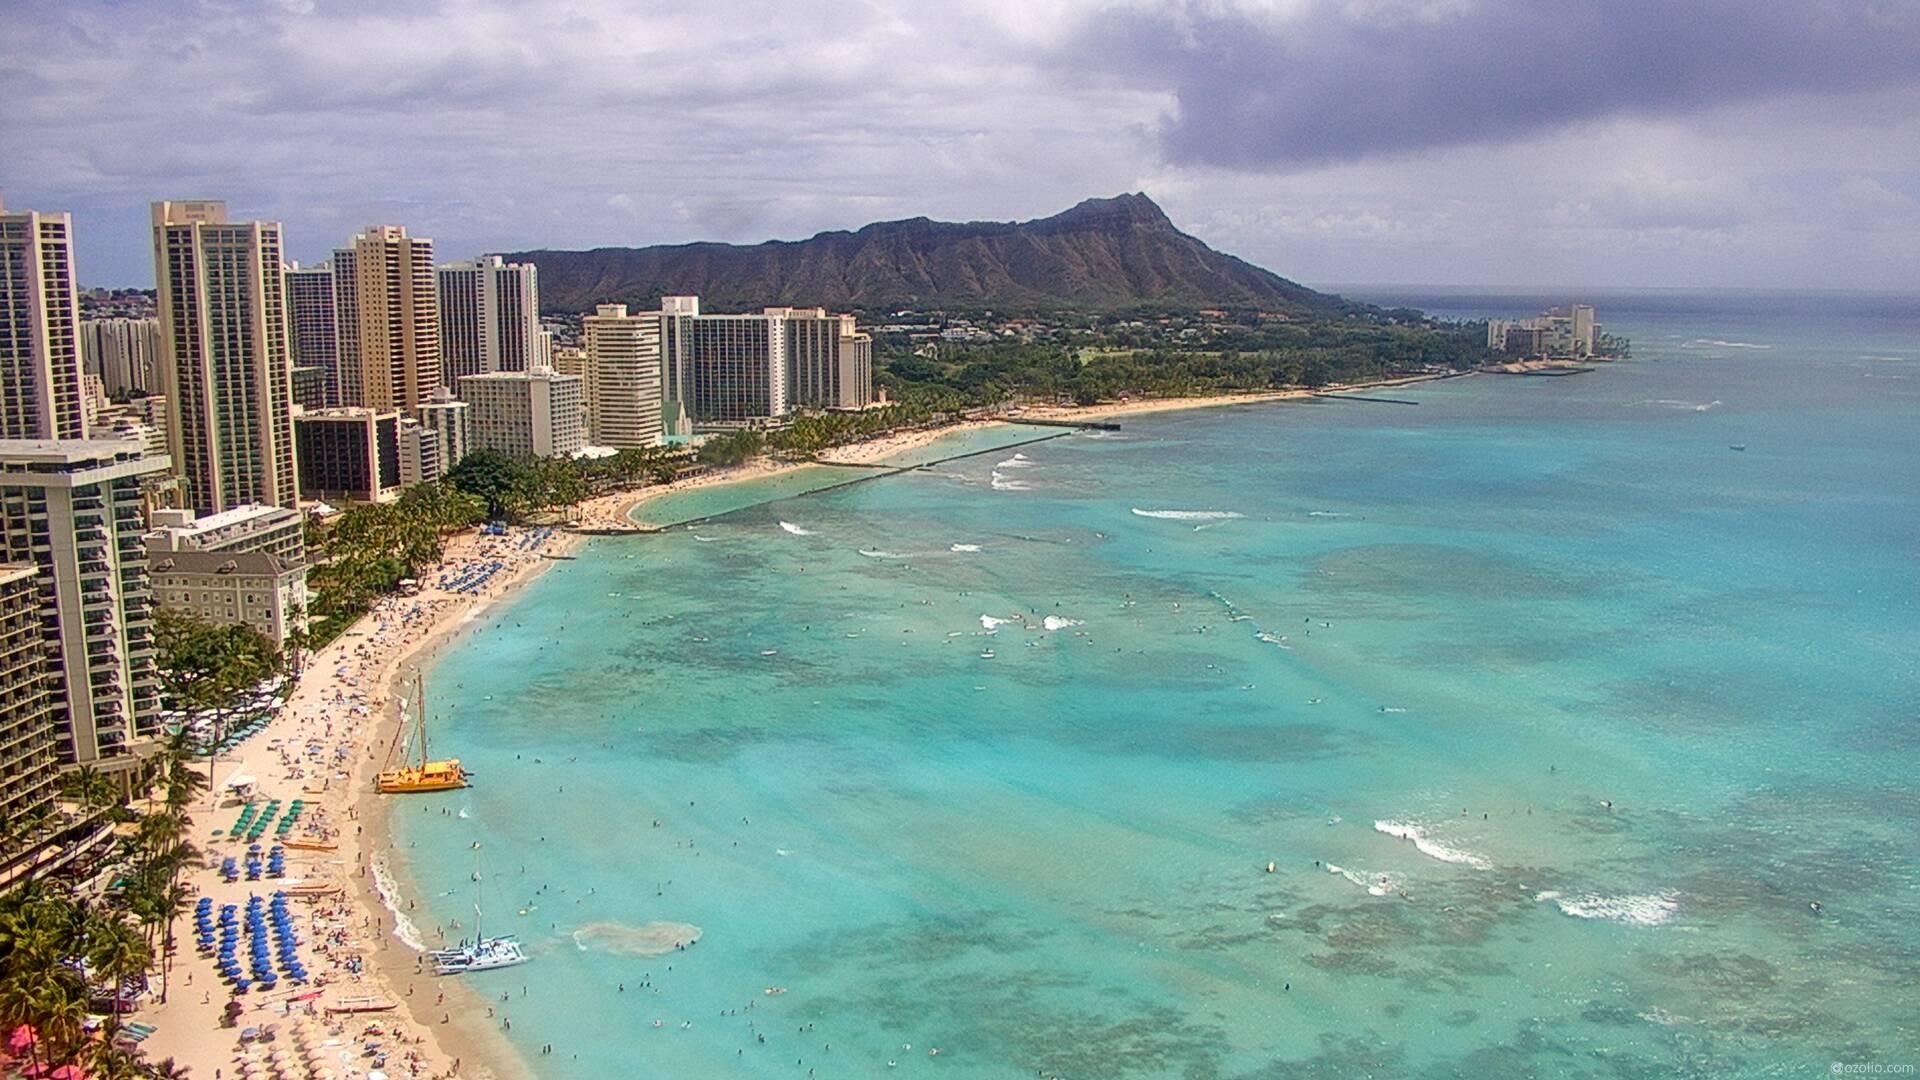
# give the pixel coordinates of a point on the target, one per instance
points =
(411, 776)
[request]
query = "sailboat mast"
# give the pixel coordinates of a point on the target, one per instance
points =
(420, 712)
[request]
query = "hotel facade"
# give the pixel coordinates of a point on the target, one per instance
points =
(227, 367)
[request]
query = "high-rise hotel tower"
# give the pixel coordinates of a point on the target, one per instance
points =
(40, 384)
(388, 320)
(227, 364)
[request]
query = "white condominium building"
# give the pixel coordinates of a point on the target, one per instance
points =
(74, 509)
(275, 530)
(751, 370)
(623, 382)
(489, 318)
(228, 366)
(525, 413)
(41, 396)
(447, 416)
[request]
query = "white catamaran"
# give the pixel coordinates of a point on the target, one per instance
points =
(480, 953)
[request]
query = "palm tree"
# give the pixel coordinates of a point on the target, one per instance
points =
(116, 952)
(105, 1061)
(165, 1069)
(92, 788)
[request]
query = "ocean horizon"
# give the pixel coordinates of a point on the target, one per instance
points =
(1548, 726)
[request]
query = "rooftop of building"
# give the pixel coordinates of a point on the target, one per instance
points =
(67, 451)
(252, 563)
(342, 412)
(12, 572)
(531, 375)
(247, 513)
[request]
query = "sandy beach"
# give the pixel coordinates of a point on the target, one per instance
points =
(324, 747)
(615, 512)
(1109, 410)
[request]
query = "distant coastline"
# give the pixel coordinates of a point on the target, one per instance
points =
(619, 511)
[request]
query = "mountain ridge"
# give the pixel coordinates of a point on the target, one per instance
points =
(1098, 255)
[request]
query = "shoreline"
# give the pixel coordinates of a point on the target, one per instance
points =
(324, 746)
(363, 673)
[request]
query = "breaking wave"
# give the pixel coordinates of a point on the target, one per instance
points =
(389, 893)
(1716, 343)
(1060, 622)
(1650, 909)
(1017, 461)
(964, 547)
(1428, 846)
(1378, 885)
(1670, 403)
(795, 529)
(876, 553)
(988, 622)
(1002, 482)
(1188, 515)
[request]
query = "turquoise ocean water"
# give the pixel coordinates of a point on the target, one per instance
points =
(993, 757)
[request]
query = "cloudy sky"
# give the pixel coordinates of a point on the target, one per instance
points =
(1765, 143)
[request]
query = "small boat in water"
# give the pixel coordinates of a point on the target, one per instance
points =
(482, 953)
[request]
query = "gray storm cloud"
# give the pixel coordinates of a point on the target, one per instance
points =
(1331, 82)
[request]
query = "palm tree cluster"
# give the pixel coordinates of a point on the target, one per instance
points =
(207, 666)
(63, 955)
(810, 433)
(367, 550)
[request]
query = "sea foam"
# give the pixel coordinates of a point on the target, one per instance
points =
(1003, 482)
(389, 893)
(1428, 846)
(1716, 343)
(795, 529)
(988, 622)
(1188, 515)
(964, 547)
(1648, 909)
(1378, 885)
(1057, 622)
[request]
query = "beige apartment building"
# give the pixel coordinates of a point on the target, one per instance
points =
(227, 363)
(122, 352)
(387, 315)
(829, 362)
(41, 396)
(622, 388)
